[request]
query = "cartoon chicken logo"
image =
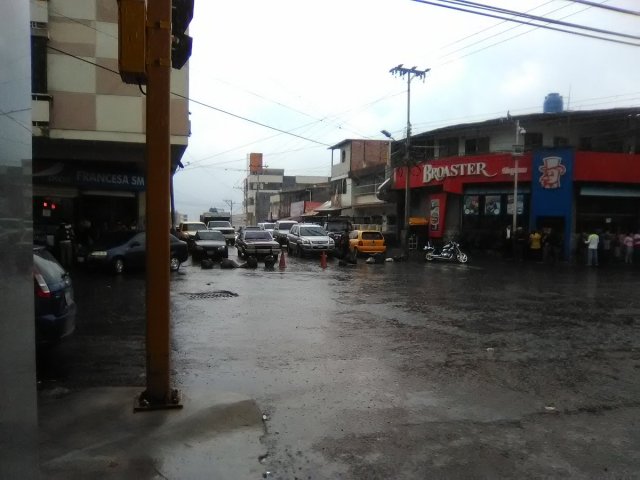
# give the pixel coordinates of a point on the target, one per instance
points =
(552, 170)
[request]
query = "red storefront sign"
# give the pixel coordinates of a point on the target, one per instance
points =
(454, 172)
(606, 167)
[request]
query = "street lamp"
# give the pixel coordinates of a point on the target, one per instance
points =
(517, 152)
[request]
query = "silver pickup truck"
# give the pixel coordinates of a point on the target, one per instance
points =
(225, 228)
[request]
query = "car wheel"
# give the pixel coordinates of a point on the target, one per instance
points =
(118, 265)
(174, 264)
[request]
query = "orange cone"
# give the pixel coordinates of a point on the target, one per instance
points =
(283, 262)
(323, 260)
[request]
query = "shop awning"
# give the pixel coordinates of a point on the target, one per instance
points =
(418, 221)
(327, 207)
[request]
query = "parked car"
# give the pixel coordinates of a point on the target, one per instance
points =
(257, 243)
(120, 251)
(55, 308)
(308, 238)
(366, 242)
(281, 230)
(242, 228)
(208, 244)
(226, 228)
(189, 229)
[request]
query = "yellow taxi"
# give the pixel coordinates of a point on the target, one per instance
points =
(366, 242)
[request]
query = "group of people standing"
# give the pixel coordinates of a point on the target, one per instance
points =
(608, 247)
(540, 245)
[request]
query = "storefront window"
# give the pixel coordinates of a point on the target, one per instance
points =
(471, 204)
(492, 205)
(510, 204)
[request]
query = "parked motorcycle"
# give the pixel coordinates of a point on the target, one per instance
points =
(449, 251)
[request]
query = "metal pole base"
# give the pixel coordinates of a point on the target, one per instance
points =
(143, 404)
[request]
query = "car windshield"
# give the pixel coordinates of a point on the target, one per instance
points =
(192, 227)
(312, 232)
(285, 226)
(209, 235)
(268, 226)
(218, 224)
(257, 235)
(337, 226)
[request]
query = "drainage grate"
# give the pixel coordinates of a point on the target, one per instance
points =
(205, 295)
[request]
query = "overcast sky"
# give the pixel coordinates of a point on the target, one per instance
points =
(320, 70)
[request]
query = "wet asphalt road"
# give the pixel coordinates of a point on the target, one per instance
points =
(400, 370)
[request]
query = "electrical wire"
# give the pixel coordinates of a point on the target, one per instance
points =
(606, 7)
(547, 27)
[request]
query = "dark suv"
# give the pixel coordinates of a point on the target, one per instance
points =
(338, 229)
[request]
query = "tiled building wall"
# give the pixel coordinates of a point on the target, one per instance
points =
(90, 101)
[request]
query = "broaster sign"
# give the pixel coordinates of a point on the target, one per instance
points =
(440, 172)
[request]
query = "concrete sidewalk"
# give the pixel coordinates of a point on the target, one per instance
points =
(94, 433)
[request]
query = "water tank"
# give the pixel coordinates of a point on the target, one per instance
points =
(552, 103)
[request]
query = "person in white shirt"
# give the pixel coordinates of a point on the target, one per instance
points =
(592, 253)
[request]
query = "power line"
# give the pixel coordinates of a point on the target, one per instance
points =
(606, 7)
(491, 8)
(548, 27)
(179, 95)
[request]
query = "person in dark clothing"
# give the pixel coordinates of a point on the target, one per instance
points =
(520, 242)
(64, 244)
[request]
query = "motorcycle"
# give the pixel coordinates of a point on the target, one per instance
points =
(450, 251)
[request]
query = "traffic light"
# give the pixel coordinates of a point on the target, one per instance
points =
(181, 15)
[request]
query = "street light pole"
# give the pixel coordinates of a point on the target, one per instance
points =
(516, 156)
(410, 73)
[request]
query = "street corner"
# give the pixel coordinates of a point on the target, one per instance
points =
(95, 433)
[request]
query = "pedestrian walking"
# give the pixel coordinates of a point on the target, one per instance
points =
(592, 243)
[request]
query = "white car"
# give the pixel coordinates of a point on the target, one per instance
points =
(309, 238)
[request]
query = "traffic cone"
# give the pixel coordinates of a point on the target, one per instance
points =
(283, 262)
(323, 260)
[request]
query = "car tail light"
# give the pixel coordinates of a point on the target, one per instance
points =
(40, 286)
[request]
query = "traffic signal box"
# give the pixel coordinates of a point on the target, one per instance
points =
(132, 39)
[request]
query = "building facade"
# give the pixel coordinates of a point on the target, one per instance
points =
(573, 172)
(88, 126)
(358, 168)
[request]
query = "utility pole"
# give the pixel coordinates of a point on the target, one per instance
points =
(158, 393)
(410, 73)
(230, 204)
(151, 40)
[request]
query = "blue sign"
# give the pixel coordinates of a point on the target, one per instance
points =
(552, 188)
